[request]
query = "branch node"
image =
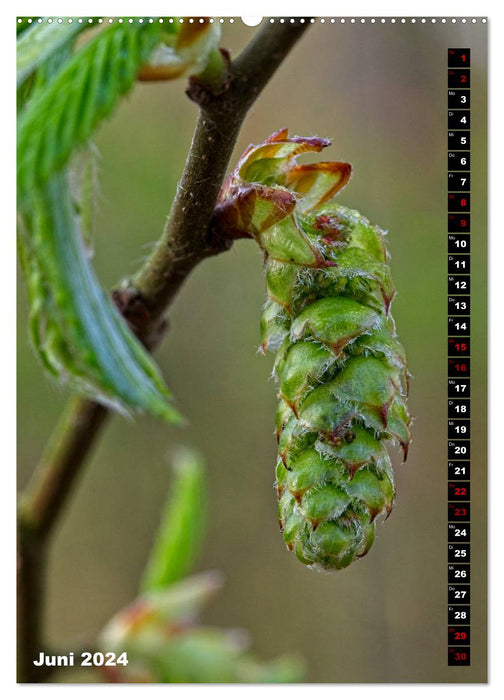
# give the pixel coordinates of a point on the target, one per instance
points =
(209, 86)
(132, 306)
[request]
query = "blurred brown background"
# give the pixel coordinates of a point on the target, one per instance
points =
(379, 91)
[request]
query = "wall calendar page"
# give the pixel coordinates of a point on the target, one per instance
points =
(252, 349)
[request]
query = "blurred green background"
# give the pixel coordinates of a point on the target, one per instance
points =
(379, 91)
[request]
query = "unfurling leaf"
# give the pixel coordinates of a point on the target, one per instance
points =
(63, 115)
(161, 630)
(165, 641)
(76, 331)
(182, 526)
(341, 371)
(87, 87)
(41, 40)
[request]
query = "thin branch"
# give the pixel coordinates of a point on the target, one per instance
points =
(39, 508)
(42, 502)
(183, 244)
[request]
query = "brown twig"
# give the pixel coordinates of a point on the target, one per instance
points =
(39, 508)
(144, 301)
(184, 242)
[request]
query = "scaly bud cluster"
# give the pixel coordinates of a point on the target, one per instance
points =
(341, 371)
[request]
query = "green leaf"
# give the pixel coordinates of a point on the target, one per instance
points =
(84, 189)
(161, 633)
(83, 92)
(38, 42)
(22, 24)
(76, 331)
(182, 526)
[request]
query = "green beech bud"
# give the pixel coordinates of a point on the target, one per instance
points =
(340, 369)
